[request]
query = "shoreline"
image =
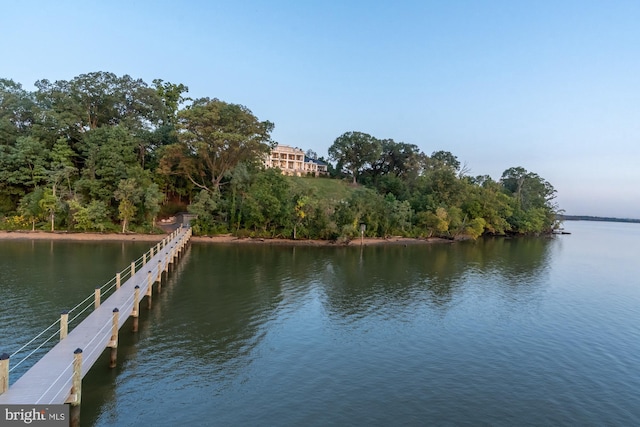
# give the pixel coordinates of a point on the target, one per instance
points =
(225, 238)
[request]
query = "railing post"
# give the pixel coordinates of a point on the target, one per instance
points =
(96, 303)
(159, 272)
(166, 262)
(76, 389)
(144, 258)
(113, 359)
(136, 308)
(133, 268)
(4, 372)
(118, 280)
(64, 324)
(149, 290)
(158, 248)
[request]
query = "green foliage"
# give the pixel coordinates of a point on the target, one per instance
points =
(267, 204)
(204, 205)
(50, 204)
(355, 150)
(99, 148)
(92, 217)
(30, 207)
(128, 194)
(152, 199)
(214, 138)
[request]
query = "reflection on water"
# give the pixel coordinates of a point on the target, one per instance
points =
(499, 331)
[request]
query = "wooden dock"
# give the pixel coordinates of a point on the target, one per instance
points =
(52, 380)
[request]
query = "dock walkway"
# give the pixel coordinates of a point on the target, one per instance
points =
(50, 380)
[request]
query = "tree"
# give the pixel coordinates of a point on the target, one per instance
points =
(355, 150)
(50, 204)
(129, 194)
(267, 204)
(534, 210)
(398, 158)
(215, 137)
(172, 97)
(94, 216)
(96, 99)
(152, 199)
(301, 208)
(109, 157)
(16, 111)
(30, 206)
(204, 206)
(446, 159)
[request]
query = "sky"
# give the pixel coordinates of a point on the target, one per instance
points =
(551, 86)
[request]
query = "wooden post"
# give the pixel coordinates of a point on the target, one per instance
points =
(159, 279)
(149, 290)
(96, 303)
(158, 248)
(144, 258)
(113, 359)
(133, 268)
(4, 372)
(136, 308)
(118, 280)
(76, 389)
(166, 262)
(64, 324)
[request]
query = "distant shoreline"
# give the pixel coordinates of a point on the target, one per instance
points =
(115, 237)
(597, 218)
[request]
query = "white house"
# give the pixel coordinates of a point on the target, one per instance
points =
(292, 161)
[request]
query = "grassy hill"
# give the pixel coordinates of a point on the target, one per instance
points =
(331, 190)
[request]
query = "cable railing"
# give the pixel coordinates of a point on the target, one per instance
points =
(71, 318)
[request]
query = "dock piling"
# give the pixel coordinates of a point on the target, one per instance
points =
(136, 308)
(149, 289)
(113, 344)
(4, 372)
(76, 389)
(64, 324)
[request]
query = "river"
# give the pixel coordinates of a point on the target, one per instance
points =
(525, 331)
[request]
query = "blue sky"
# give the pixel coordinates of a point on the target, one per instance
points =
(552, 86)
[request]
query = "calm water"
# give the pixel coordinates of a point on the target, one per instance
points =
(497, 332)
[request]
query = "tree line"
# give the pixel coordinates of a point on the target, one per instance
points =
(102, 152)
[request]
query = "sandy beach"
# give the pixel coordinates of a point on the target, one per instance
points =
(227, 238)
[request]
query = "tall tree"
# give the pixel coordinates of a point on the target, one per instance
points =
(355, 150)
(128, 194)
(172, 98)
(534, 210)
(16, 111)
(215, 136)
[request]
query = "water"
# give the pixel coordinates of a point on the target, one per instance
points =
(498, 332)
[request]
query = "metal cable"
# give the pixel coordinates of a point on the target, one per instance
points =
(54, 382)
(36, 349)
(34, 338)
